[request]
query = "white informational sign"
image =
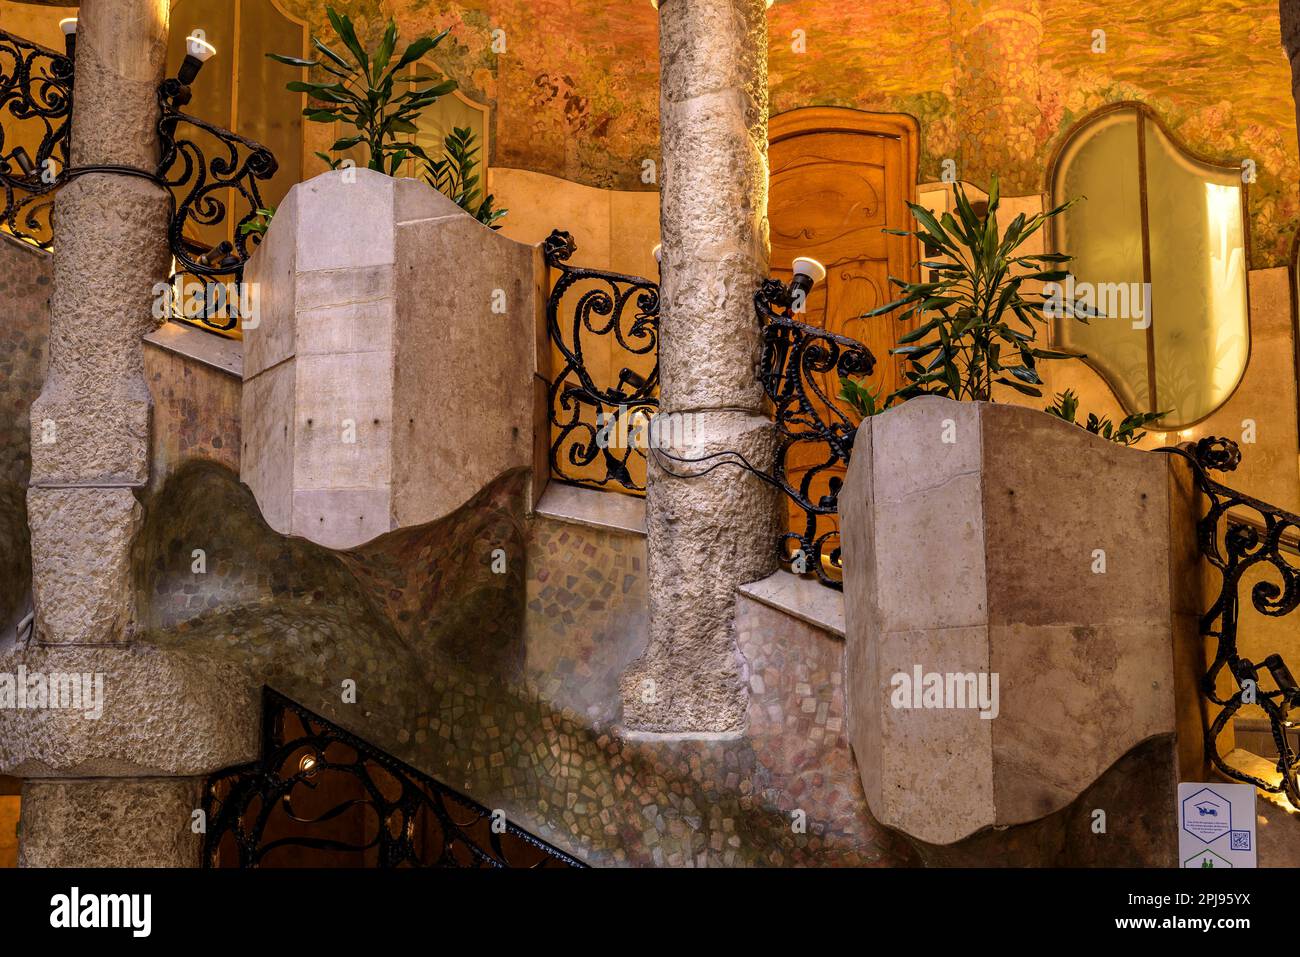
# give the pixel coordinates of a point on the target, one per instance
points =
(1216, 825)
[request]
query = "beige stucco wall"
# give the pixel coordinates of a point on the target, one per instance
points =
(614, 229)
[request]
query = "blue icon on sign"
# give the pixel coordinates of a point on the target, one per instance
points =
(1207, 816)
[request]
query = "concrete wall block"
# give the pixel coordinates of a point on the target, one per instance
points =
(267, 449)
(343, 421)
(345, 221)
(1084, 529)
(989, 538)
(393, 392)
(342, 517)
(347, 326)
(464, 362)
(926, 752)
(271, 271)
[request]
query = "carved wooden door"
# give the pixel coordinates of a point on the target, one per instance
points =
(838, 178)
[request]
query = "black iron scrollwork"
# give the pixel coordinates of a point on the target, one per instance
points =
(795, 360)
(320, 795)
(599, 421)
(206, 187)
(35, 90)
(1244, 537)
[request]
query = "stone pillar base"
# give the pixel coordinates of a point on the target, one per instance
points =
(110, 822)
(691, 677)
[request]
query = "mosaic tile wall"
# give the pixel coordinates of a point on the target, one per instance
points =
(26, 278)
(195, 413)
(504, 685)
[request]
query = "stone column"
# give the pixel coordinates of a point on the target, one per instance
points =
(90, 425)
(709, 534)
(90, 456)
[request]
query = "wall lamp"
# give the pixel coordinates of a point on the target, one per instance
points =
(69, 27)
(198, 51)
(807, 273)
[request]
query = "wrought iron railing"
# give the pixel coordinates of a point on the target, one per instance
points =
(795, 366)
(36, 92)
(605, 327)
(203, 185)
(320, 795)
(1245, 538)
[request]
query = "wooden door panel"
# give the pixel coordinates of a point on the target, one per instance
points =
(839, 178)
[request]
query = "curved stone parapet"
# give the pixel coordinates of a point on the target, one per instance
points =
(1013, 554)
(388, 371)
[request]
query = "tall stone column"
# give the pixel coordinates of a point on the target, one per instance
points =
(90, 425)
(708, 534)
(91, 791)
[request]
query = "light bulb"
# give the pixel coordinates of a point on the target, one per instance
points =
(199, 48)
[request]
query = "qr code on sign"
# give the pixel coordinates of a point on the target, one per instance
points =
(1240, 840)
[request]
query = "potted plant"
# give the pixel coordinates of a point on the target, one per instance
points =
(988, 545)
(373, 93)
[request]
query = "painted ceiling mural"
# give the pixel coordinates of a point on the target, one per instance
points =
(995, 84)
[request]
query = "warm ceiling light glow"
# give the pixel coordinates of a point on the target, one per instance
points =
(68, 25)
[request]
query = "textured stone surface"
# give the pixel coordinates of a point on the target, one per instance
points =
(176, 711)
(81, 562)
(110, 823)
(112, 248)
(505, 686)
(973, 535)
(713, 214)
(26, 275)
(379, 393)
(94, 408)
(706, 535)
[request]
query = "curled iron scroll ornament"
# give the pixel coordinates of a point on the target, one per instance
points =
(596, 422)
(794, 359)
(35, 91)
(1242, 536)
(416, 821)
(209, 187)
